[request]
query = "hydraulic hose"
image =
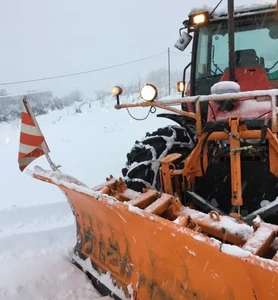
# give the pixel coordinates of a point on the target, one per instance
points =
(262, 139)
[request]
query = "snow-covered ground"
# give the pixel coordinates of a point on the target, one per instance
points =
(37, 229)
(35, 255)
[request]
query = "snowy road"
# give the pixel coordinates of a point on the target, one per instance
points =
(35, 248)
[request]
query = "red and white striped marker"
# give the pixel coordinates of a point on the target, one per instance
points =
(32, 142)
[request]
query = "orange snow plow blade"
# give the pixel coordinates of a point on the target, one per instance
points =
(148, 246)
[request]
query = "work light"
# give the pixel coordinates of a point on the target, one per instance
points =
(180, 86)
(199, 18)
(116, 91)
(148, 92)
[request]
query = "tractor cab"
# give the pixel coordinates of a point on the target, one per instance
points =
(252, 61)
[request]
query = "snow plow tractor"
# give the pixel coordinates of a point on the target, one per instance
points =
(195, 215)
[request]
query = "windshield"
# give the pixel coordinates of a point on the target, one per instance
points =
(255, 45)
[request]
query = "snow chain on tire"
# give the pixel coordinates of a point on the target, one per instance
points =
(142, 166)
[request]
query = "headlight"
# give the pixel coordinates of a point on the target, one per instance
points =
(116, 91)
(148, 92)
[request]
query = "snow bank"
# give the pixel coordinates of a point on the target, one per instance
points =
(51, 276)
(35, 219)
(36, 263)
(80, 142)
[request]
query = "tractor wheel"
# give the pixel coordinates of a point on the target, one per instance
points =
(142, 166)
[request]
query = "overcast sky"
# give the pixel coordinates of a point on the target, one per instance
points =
(53, 37)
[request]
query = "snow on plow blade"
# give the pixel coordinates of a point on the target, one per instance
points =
(148, 246)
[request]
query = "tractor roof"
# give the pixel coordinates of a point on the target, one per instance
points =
(241, 10)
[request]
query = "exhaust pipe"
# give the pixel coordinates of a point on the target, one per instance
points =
(231, 37)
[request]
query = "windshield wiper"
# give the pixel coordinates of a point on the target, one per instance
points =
(214, 64)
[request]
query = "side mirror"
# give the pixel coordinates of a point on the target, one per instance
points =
(183, 41)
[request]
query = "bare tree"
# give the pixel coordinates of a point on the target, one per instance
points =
(100, 95)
